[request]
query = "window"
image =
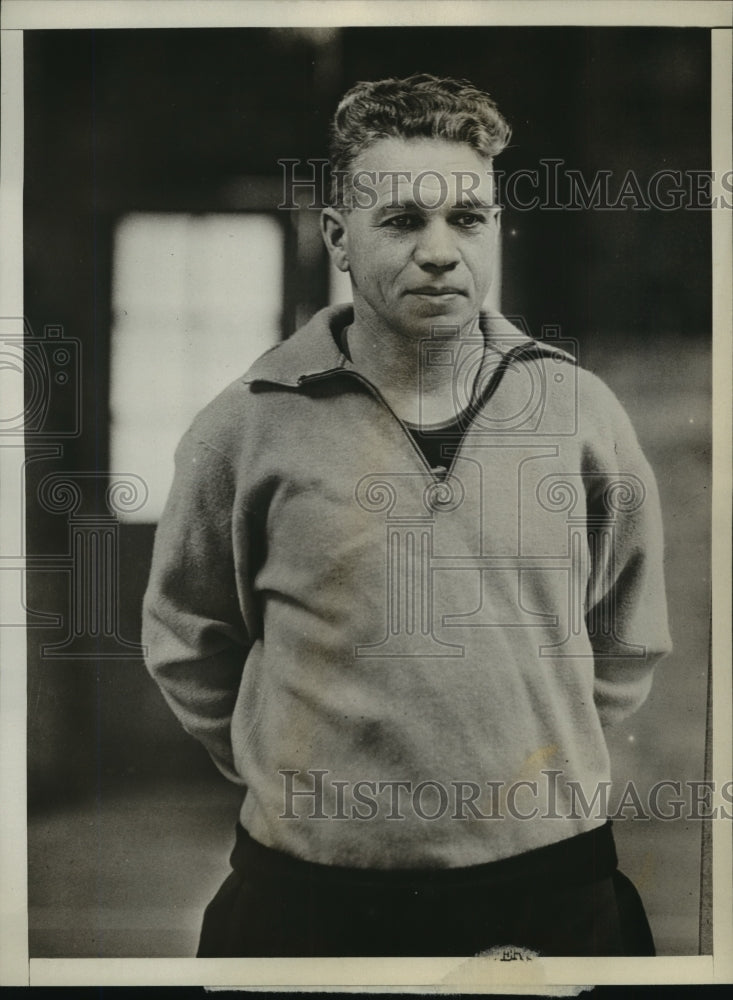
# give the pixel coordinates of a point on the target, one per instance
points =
(196, 298)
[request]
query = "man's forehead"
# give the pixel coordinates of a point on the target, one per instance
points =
(425, 171)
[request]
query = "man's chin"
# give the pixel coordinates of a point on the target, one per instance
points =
(441, 321)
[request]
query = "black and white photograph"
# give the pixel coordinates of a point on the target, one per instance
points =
(366, 483)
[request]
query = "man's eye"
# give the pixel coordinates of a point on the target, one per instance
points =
(402, 222)
(467, 220)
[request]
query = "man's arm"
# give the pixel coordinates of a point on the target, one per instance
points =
(196, 638)
(626, 609)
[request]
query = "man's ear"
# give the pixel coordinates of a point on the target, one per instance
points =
(333, 230)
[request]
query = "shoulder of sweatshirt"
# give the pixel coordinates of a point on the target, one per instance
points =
(226, 423)
(609, 438)
(599, 407)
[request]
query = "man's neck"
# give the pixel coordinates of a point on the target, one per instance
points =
(399, 366)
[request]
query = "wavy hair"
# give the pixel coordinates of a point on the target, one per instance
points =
(418, 106)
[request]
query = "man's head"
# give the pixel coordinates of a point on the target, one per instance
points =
(415, 223)
(422, 106)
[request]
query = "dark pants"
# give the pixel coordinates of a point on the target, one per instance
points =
(566, 899)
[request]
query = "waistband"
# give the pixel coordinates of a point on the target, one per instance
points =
(585, 857)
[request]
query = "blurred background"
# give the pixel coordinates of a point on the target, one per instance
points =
(156, 257)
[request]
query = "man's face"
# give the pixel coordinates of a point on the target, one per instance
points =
(420, 239)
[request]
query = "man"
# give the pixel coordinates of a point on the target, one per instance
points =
(410, 567)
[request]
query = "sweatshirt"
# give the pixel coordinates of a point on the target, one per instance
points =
(403, 670)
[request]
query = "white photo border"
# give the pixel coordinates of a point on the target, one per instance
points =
(480, 975)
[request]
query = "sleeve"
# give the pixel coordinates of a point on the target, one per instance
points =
(626, 608)
(193, 628)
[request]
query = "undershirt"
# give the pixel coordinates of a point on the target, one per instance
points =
(439, 442)
(431, 439)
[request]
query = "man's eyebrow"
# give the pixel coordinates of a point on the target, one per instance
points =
(399, 205)
(410, 205)
(469, 201)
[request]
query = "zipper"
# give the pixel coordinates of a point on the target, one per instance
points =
(380, 398)
(491, 387)
(481, 401)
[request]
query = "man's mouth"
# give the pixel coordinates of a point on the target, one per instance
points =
(436, 290)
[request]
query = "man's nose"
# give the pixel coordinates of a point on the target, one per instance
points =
(437, 247)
